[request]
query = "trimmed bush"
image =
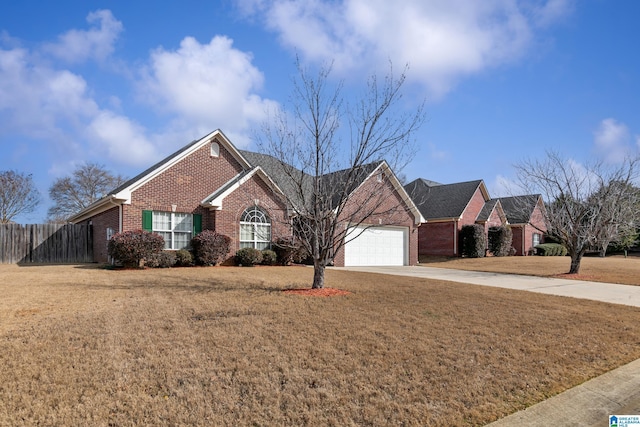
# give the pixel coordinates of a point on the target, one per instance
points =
(472, 241)
(550, 249)
(184, 258)
(290, 250)
(131, 247)
(210, 247)
(500, 239)
(248, 257)
(164, 259)
(269, 257)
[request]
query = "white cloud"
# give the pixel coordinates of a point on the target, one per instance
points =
(503, 187)
(76, 46)
(612, 140)
(37, 100)
(56, 106)
(441, 40)
(207, 86)
(121, 139)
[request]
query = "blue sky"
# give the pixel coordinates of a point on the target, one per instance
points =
(126, 83)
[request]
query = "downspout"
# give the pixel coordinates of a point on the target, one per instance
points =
(455, 237)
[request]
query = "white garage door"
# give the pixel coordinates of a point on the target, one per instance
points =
(376, 246)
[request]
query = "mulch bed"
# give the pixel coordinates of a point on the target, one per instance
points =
(323, 292)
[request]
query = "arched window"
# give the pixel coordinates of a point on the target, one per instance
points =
(255, 229)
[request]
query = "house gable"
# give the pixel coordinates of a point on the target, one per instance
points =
(215, 146)
(446, 202)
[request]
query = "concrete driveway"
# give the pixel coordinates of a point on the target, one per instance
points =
(587, 405)
(607, 292)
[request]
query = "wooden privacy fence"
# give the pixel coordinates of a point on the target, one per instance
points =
(45, 243)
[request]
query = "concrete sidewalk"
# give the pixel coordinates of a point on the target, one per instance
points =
(587, 405)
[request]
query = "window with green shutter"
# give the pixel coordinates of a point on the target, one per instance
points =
(176, 228)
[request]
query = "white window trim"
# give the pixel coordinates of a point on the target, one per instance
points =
(254, 225)
(171, 230)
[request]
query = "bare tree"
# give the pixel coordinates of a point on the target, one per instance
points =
(18, 195)
(319, 165)
(622, 217)
(87, 183)
(587, 205)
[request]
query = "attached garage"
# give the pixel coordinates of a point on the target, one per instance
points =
(377, 246)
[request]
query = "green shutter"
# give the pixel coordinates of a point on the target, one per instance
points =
(147, 220)
(197, 224)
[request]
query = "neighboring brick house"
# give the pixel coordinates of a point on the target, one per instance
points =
(526, 219)
(209, 184)
(446, 208)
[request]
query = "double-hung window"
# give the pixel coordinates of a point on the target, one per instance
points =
(177, 229)
(536, 239)
(255, 229)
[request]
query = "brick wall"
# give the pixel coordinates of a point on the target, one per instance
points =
(382, 205)
(185, 185)
(100, 223)
(473, 209)
(252, 193)
(438, 239)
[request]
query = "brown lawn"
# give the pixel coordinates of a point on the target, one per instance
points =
(226, 347)
(612, 269)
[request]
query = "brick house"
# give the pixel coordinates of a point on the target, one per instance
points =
(210, 184)
(446, 208)
(526, 218)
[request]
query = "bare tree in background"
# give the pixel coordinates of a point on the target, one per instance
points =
(586, 205)
(18, 195)
(319, 165)
(88, 183)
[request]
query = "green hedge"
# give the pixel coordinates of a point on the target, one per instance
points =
(472, 241)
(500, 240)
(550, 249)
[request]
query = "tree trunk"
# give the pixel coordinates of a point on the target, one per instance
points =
(318, 275)
(575, 263)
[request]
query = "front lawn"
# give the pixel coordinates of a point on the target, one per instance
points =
(225, 346)
(612, 269)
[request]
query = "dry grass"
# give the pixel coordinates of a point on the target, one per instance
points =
(224, 346)
(612, 269)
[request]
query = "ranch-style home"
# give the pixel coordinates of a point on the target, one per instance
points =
(211, 185)
(446, 208)
(526, 219)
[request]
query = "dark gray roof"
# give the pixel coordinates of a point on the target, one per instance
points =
(298, 186)
(443, 200)
(519, 209)
(488, 207)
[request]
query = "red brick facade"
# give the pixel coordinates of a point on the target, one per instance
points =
(523, 234)
(438, 238)
(183, 182)
(383, 205)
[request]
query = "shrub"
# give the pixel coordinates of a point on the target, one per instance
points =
(164, 259)
(550, 249)
(499, 239)
(131, 247)
(472, 241)
(210, 247)
(184, 258)
(248, 257)
(290, 250)
(269, 257)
